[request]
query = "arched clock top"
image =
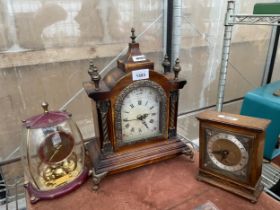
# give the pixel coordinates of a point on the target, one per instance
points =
(163, 80)
(116, 80)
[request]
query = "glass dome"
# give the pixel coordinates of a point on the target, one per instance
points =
(53, 155)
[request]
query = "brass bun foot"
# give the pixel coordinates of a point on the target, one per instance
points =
(96, 178)
(33, 199)
(189, 151)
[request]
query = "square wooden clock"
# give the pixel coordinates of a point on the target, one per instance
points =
(231, 152)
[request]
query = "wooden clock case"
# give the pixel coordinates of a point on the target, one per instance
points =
(249, 186)
(107, 153)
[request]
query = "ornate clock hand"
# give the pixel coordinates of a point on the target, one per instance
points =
(218, 152)
(144, 123)
(224, 153)
(126, 120)
(141, 116)
(144, 116)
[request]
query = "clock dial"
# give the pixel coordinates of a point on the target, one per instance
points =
(56, 147)
(140, 114)
(227, 152)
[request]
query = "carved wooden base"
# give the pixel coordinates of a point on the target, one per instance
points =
(137, 157)
(245, 191)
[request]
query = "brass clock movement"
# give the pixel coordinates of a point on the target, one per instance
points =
(135, 114)
(231, 151)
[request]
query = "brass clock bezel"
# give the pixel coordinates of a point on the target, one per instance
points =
(118, 107)
(245, 139)
(232, 139)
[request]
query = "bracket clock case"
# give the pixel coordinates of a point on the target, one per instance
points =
(135, 114)
(230, 152)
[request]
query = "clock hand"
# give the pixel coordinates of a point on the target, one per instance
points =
(144, 123)
(126, 120)
(144, 116)
(55, 152)
(139, 117)
(219, 152)
(223, 153)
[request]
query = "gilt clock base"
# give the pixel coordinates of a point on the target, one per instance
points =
(245, 191)
(122, 161)
(37, 195)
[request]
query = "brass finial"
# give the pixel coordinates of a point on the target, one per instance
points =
(166, 64)
(45, 106)
(177, 68)
(133, 37)
(94, 75)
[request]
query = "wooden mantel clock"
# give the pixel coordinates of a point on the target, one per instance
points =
(231, 152)
(135, 114)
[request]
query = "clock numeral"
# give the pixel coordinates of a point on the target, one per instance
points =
(151, 107)
(151, 121)
(139, 102)
(146, 103)
(140, 131)
(132, 106)
(153, 114)
(127, 125)
(125, 119)
(132, 129)
(157, 99)
(126, 112)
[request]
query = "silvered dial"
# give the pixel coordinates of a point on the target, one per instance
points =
(227, 152)
(140, 114)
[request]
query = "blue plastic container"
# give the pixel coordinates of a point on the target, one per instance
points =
(263, 104)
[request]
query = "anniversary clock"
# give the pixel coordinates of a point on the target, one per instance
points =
(53, 155)
(135, 114)
(231, 151)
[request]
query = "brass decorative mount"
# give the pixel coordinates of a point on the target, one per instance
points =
(176, 68)
(166, 64)
(94, 75)
(45, 106)
(133, 37)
